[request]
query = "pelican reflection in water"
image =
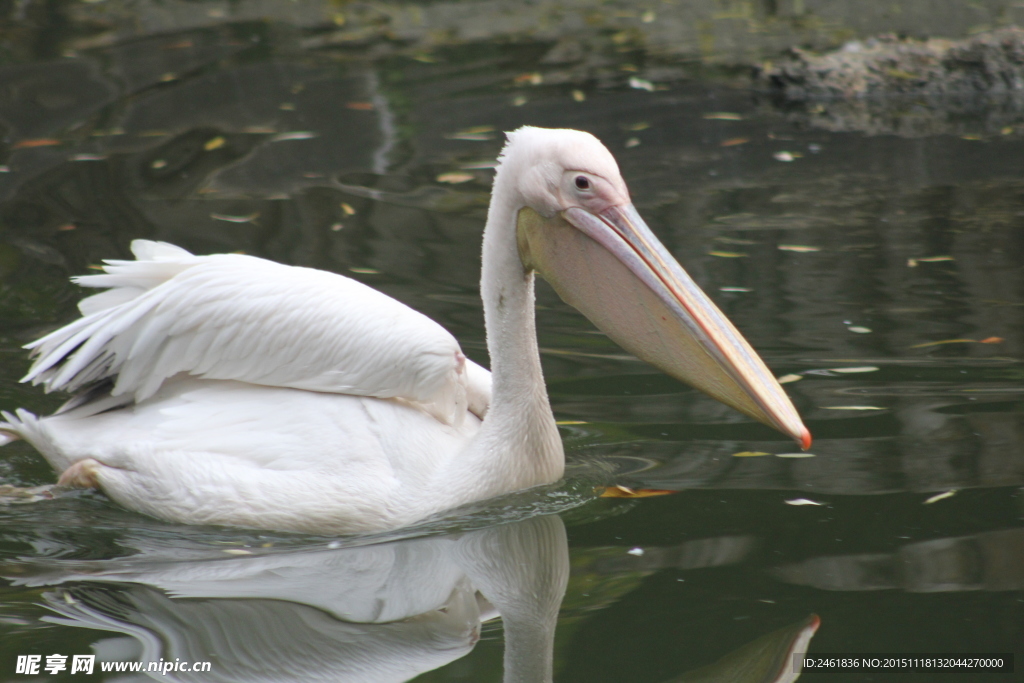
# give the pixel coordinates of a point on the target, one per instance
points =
(376, 613)
(227, 389)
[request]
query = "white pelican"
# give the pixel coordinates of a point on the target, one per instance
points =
(227, 389)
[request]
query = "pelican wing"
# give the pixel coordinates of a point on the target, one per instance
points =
(231, 316)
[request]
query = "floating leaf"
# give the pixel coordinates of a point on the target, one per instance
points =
(992, 340)
(639, 125)
(626, 492)
(531, 78)
(786, 379)
(640, 84)
(347, 209)
(733, 142)
(795, 455)
(912, 262)
(857, 329)
(36, 142)
(802, 501)
(944, 341)
(735, 289)
(235, 219)
(365, 271)
(578, 95)
(728, 254)
(474, 165)
(856, 369)
(571, 422)
(455, 178)
(294, 135)
(472, 137)
(214, 143)
(940, 496)
(749, 454)
(475, 133)
(799, 248)
(723, 116)
(852, 408)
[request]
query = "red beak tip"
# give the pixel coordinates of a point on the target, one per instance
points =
(805, 439)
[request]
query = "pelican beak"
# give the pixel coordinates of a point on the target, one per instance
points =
(612, 268)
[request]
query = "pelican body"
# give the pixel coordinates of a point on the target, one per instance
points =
(227, 389)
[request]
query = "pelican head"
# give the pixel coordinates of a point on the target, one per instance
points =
(576, 226)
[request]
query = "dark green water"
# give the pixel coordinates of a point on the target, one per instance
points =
(844, 258)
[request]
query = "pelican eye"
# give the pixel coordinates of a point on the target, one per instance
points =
(582, 183)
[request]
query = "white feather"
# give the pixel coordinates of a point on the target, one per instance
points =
(243, 318)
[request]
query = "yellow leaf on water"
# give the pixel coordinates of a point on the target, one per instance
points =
(365, 271)
(728, 254)
(474, 133)
(863, 368)
(799, 248)
(795, 455)
(940, 496)
(214, 143)
(228, 218)
(531, 78)
(786, 379)
(626, 492)
(570, 422)
(851, 408)
(723, 116)
(749, 454)
(455, 178)
(944, 341)
(37, 142)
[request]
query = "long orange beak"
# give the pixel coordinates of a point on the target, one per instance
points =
(612, 268)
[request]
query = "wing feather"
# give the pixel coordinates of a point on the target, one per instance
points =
(230, 316)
